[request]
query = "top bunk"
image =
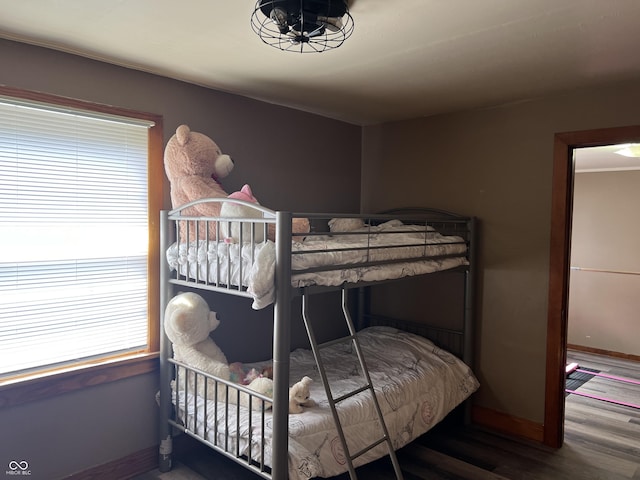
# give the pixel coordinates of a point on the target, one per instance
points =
(249, 254)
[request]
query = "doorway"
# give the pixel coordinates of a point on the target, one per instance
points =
(559, 256)
(605, 265)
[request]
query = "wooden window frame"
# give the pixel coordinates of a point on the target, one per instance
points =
(45, 383)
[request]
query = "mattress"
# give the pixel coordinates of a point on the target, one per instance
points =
(416, 384)
(342, 257)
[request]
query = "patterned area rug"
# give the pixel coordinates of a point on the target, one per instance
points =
(578, 378)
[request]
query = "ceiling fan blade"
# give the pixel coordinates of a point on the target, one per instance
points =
(332, 23)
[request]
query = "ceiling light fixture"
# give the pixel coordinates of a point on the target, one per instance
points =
(630, 150)
(302, 25)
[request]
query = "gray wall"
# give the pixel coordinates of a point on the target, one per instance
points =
(603, 295)
(276, 151)
(495, 164)
(72, 432)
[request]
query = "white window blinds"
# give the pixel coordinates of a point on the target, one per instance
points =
(73, 235)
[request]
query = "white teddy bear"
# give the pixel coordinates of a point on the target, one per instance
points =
(187, 323)
(299, 396)
(231, 230)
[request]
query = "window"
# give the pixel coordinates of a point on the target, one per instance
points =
(79, 201)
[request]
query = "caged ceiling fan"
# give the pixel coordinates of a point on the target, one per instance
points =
(302, 25)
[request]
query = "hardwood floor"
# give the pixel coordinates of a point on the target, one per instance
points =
(602, 442)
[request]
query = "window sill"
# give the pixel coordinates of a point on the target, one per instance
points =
(45, 385)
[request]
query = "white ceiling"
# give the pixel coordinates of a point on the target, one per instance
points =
(405, 59)
(603, 159)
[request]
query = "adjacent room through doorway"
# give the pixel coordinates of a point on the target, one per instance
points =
(560, 275)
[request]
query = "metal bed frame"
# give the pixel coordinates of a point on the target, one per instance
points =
(176, 225)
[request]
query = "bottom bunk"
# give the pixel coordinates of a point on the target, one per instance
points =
(417, 383)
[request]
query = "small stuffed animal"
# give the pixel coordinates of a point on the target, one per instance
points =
(240, 375)
(299, 396)
(231, 230)
(187, 323)
(194, 165)
(345, 224)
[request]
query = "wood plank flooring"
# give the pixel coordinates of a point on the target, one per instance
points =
(602, 442)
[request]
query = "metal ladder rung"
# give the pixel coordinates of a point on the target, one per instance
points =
(351, 394)
(370, 447)
(335, 341)
(315, 347)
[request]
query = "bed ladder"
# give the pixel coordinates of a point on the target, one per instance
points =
(315, 347)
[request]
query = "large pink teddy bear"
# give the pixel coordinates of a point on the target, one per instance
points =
(194, 164)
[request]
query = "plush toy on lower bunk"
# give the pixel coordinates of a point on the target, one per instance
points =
(300, 396)
(244, 377)
(187, 323)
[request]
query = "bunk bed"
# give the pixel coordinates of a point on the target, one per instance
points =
(415, 373)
